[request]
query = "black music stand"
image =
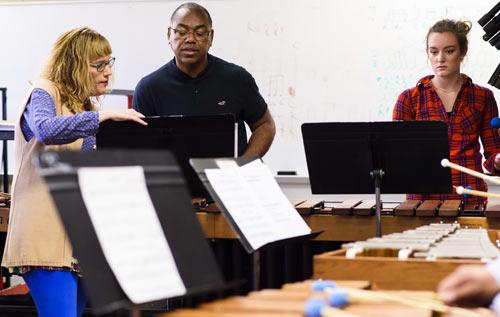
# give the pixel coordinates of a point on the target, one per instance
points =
(185, 136)
(171, 200)
(200, 165)
(386, 157)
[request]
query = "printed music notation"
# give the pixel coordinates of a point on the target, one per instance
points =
(256, 203)
(113, 195)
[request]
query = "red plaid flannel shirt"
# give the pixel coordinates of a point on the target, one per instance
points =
(470, 119)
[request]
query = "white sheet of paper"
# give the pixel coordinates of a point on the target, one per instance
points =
(225, 163)
(130, 232)
(257, 204)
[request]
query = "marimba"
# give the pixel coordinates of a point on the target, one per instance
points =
(291, 300)
(355, 220)
(407, 208)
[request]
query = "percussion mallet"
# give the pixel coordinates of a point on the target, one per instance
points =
(317, 307)
(495, 123)
(341, 297)
(461, 191)
(447, 163)
(465, 194)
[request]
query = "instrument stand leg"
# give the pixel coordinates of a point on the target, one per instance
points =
(256, 271)
(377, 176)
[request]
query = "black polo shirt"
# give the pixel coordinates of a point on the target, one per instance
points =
(221, 88)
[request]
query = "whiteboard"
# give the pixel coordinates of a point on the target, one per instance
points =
(314, 60)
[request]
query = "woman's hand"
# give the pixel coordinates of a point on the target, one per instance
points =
(497, 162)
(121, 115)
(468, 285)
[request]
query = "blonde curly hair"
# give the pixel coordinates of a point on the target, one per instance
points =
(68, 66)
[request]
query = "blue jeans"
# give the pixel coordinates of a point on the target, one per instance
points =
(56, 293)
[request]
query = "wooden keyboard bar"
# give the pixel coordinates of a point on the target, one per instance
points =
(297, 202)
(366, 208)
(407, 208)
(428, 208)
(212, 208)
(308, 206)
(449, 208)
(346, 207)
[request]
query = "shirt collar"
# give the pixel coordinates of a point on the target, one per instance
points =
(426, 81)
(182, 75)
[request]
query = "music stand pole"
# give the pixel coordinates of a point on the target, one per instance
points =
(256, 271)
(377, 176)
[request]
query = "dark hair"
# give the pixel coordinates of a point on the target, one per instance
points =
(192, 6)
(458, 28)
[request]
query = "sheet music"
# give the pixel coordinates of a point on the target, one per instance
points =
(256, 203)
(130, 232)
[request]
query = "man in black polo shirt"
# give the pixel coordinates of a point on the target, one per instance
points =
(197, 83)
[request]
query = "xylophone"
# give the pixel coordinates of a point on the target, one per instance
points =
(429, 252)
(312, 298)
(430, 242)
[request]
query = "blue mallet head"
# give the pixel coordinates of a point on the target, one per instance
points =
(338, 298)
(467, 195)
(320, 285)
(495, 123)
(314, 306)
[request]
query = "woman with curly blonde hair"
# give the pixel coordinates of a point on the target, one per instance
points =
(58, 113)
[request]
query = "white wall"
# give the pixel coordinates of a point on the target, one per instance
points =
(316, 60)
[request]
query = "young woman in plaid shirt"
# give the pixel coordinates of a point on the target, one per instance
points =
(452, 97)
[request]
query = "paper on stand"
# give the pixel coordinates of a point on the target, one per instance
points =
(256, 203)
(129, 232)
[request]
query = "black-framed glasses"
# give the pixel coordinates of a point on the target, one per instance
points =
(102, 65)
(198, 34)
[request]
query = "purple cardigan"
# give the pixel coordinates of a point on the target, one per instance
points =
(40, 120)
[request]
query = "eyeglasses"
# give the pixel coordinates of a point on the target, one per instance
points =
(199, 35)
(102, 65)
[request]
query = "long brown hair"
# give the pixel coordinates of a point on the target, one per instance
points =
(68, 66)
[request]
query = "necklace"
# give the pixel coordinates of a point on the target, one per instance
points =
(448, 90)
(454, 90)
